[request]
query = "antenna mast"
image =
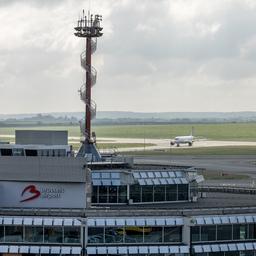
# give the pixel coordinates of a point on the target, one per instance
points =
(88, 27)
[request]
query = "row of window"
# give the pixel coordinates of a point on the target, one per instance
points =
(109, 194)
(134, 235)
(150, 254)
(223, 232)
(38, 234)
(159, 193)
(244, 253)
(32, 152)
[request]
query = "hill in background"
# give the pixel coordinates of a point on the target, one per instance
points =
(118, 117)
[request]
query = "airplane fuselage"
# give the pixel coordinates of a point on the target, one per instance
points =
(182, 140)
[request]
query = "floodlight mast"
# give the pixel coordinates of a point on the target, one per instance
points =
(88, 27)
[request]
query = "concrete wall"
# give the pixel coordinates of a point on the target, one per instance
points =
(55, 169)
(28, 137)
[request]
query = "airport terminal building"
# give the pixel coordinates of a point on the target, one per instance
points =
(55, 203)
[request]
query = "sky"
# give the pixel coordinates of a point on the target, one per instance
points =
(154, 56)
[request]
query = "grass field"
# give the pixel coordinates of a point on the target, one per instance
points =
(233, 131)
(218, 175)
(236, 132)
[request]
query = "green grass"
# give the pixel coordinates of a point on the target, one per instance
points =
(218, 175)
(240, 131)
(233, 131)
(229, 150)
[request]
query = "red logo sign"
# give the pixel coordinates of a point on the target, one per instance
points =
(32, 192)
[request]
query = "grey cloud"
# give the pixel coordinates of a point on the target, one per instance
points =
(147, 57)
(38, 3)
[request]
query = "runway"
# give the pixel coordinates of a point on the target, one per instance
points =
(165, 143)
(233, 164)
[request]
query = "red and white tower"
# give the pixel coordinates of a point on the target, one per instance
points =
(88, 27)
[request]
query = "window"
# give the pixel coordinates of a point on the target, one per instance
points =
(195, 233)
(171, 193)
(95, 235)
(240, 232)
(33, 234)
(122, 195)
(95, 194)
(172, 234)
(72, 234)
(1, 233)
(147, 193)
(31, 152)
(182, 192)
(114, 235)
(53, 234)
(103, 194)
(109, 194)
(13, 234)
(135, 193)
(232, 254)
(18, 152)
(159, 193)
(153, 234)
(113, 194)
(208, 233)
(246, 253)
(133, 234)
(224, 232)
(6, 152)
(252, 231)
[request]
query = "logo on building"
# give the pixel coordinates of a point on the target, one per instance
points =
(31, 193)
(44, 192)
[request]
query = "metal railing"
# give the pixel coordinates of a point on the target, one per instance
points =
(227, 189)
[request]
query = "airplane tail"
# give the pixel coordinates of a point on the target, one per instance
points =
(192, 131)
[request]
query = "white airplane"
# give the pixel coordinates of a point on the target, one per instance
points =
(183, 140)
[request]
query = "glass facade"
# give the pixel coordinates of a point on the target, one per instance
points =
(40, 234)
(139, 194)
(109, 194)
(13, 234)
(243, 253)
(32, 152)
(134, 235)
(34, 234)
(231, 232)
(224, 232)
(159, 193)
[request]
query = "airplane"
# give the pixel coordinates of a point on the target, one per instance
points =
(183, 140)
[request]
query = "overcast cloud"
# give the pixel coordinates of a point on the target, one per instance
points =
(155, 55)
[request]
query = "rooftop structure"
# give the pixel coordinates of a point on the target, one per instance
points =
(43, 137)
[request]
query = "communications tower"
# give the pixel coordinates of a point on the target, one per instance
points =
(88, 27)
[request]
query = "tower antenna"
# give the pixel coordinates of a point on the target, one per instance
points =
(88, 28)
